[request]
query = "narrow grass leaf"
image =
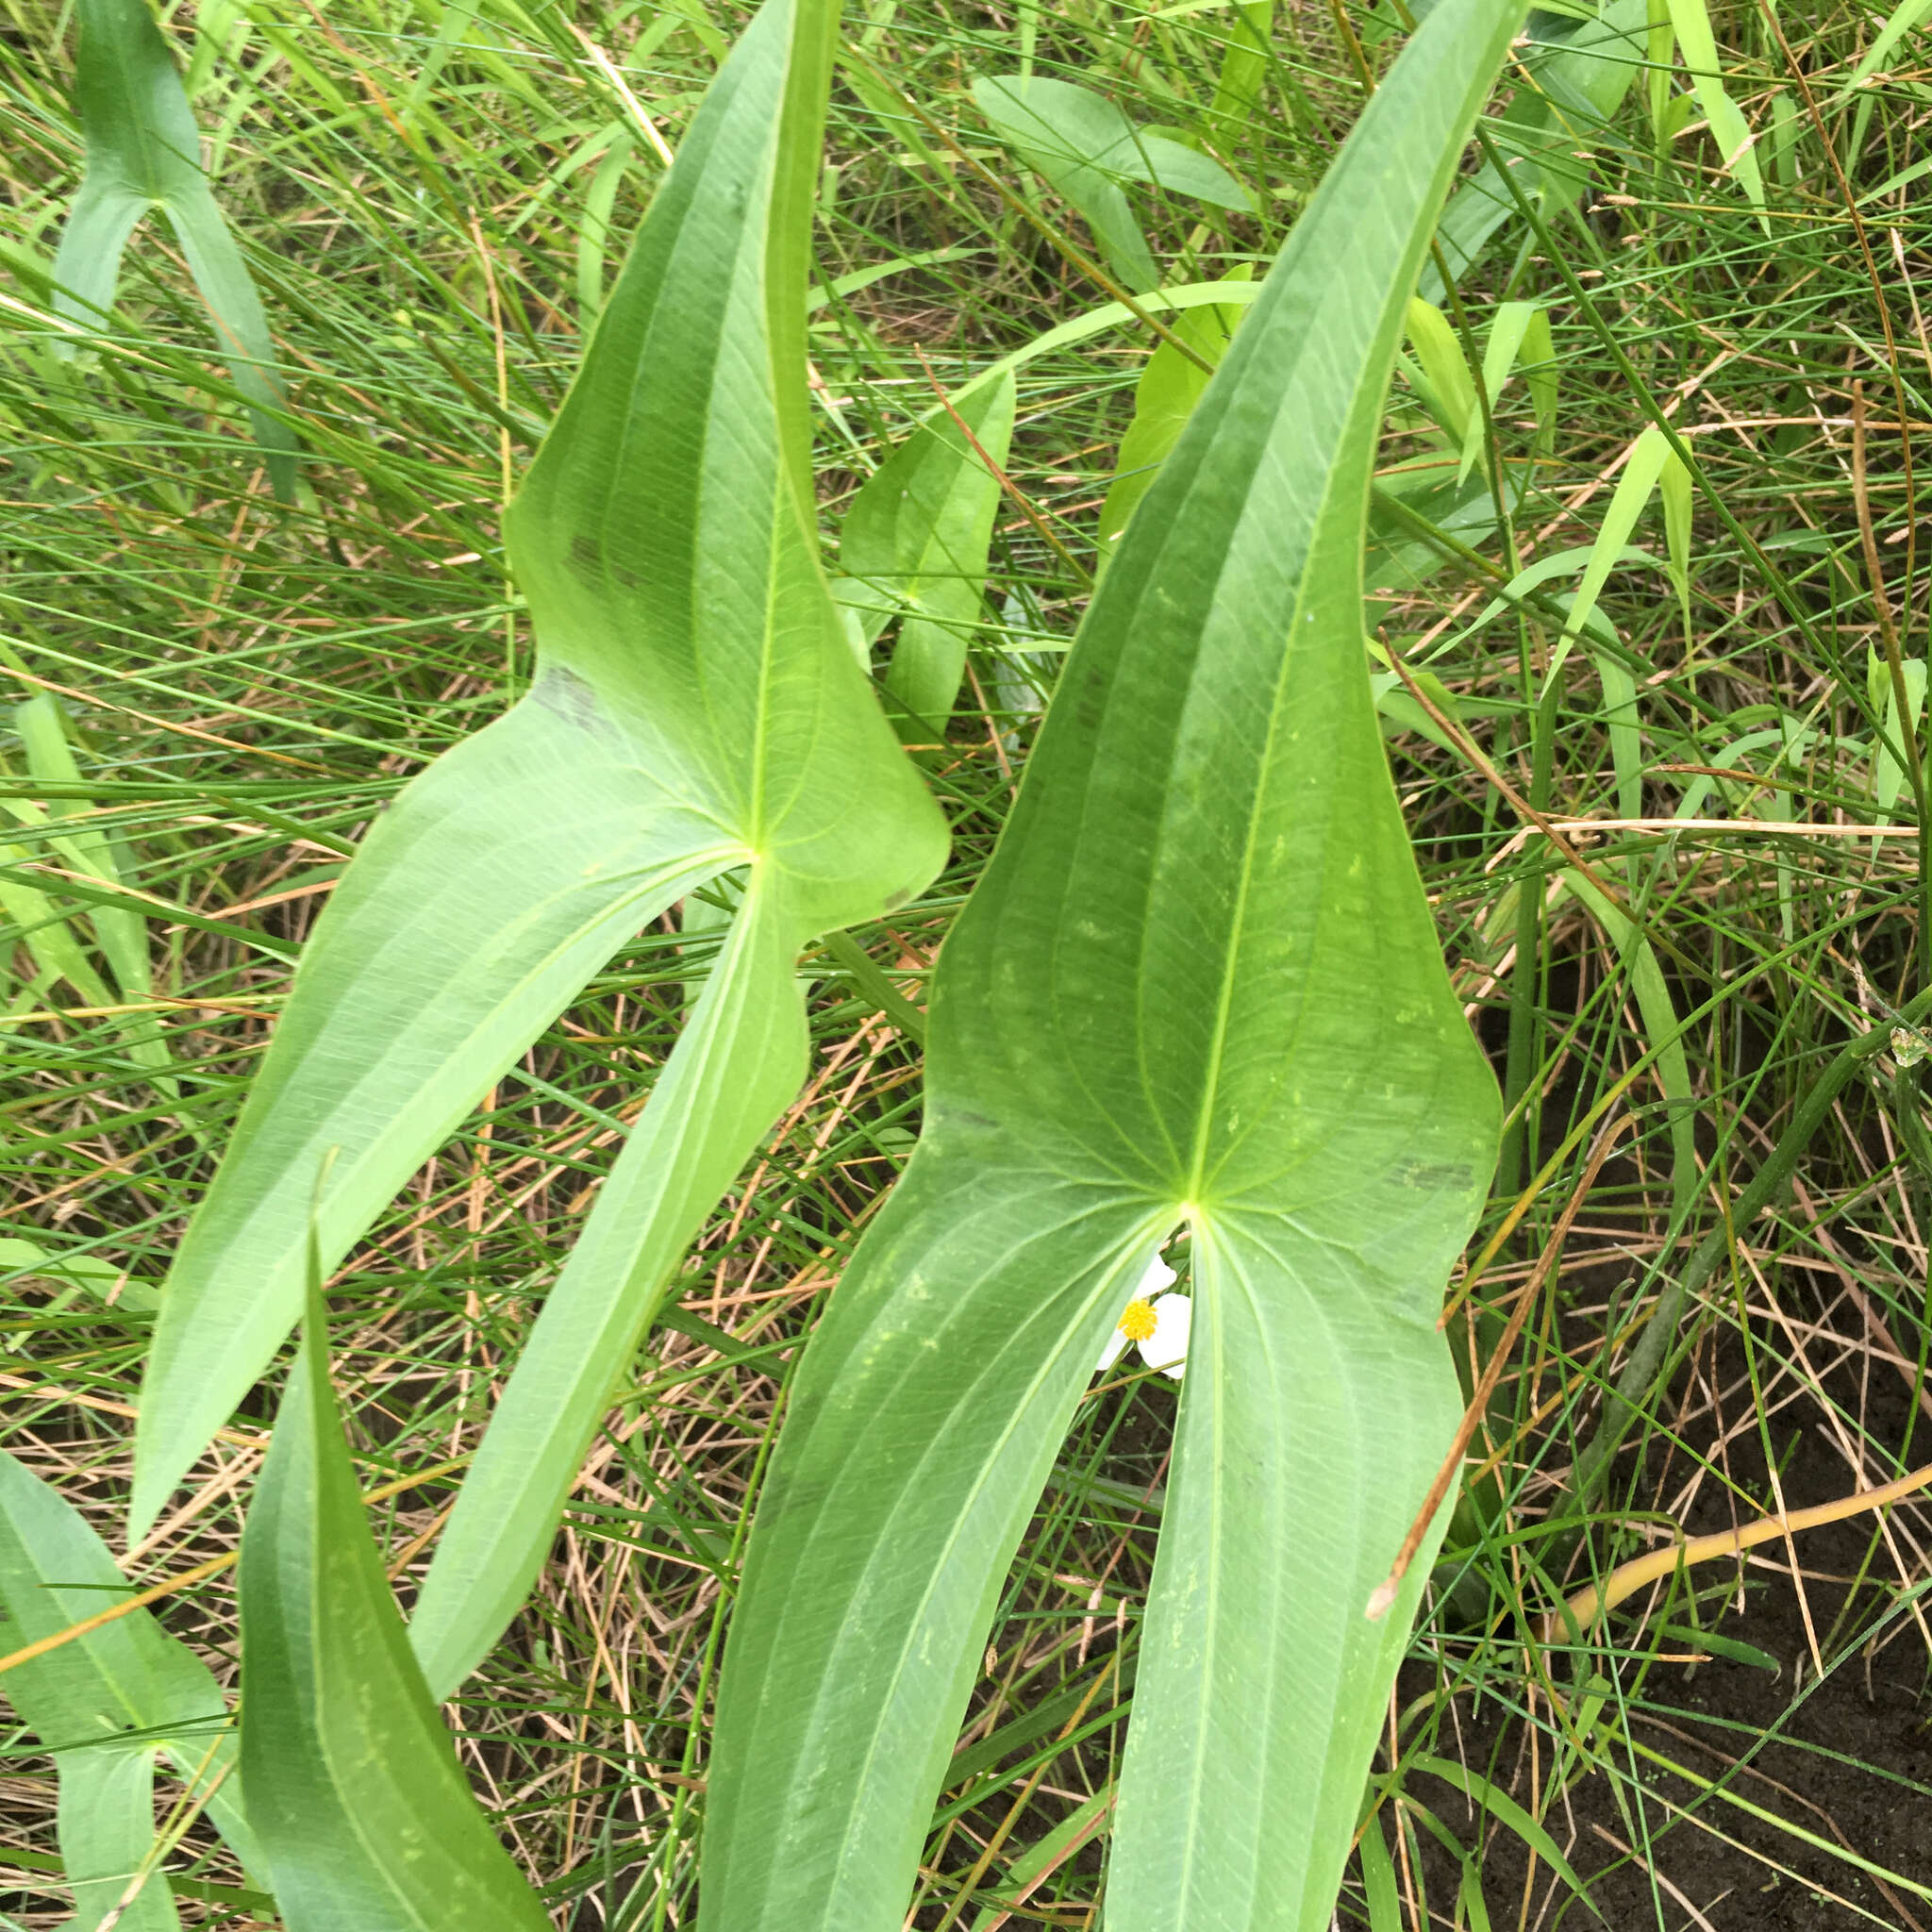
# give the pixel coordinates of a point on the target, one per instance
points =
(1664, 1030)
(1453, 389)
(1508, 332)
(1691, 23)
(1198, 987)
(1643, 464)
(1506, 1811)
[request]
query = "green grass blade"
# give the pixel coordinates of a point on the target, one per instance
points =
(1643, 465)
(1199, 984)
(144, 150)
(126, 1676)
(915, 542)
(365, 1818)
(1691, 22)
(122, 931)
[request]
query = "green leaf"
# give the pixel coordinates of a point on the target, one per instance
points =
(144, 150)
(105, 1703)
(1506, 1811)
(1027, 1869)
(1085, 147)
(93, 860)
(1888, 773)
(1164, 398)
(1508, 332)
(1199, 985)
(99, 1278)
(696, 712)
(915, 542)
(1661, 1026)
(1644, 464)
(1579, 73)
(1691, 22)
(366, 1821)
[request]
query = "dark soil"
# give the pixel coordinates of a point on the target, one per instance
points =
(1844, 1758)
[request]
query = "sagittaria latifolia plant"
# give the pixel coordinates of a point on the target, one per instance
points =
(1197, 989)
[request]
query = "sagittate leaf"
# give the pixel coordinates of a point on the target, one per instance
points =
(105, 1703)
(365, 1818)
(144, 150)
(916, 540)
(1085, 147)
(696, 712)
(1199, 986)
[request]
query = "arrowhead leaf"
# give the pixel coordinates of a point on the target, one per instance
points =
(1198, 986)
(696, 712)
(144, 150)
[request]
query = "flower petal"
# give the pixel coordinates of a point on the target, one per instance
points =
(1167, 1348)
(1116, 1341)
(1159, 1278)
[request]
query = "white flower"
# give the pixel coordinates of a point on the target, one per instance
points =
(1156, 1322)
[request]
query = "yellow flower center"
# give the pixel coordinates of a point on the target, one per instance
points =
(1137, 1325)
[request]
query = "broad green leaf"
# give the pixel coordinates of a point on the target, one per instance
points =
(915, 544)
(696, 712)
(1451, 386)
(105, 1703)
(366, 1821)
(1164, 398)
(1198, 986)
(1579, 73)
(1085, 147)
(144, 150)
(105, 1820)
